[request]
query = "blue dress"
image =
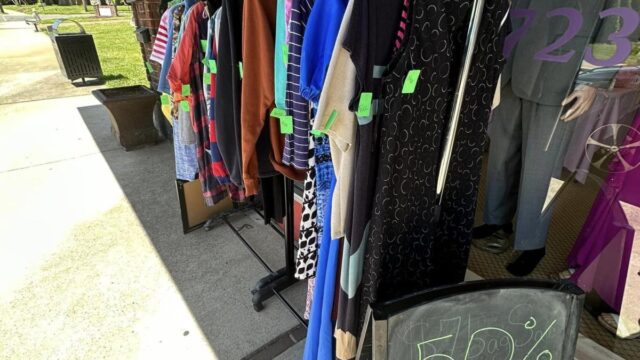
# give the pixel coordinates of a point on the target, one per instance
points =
(319, 343)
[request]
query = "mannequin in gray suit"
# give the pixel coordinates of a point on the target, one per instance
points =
(522, 159)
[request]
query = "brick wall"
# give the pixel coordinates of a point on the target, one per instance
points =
(146, 15)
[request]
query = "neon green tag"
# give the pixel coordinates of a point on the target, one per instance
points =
(411, 81)
(286, 124)
(149, 67)
(241, 70)
(285, 53)
(213, 66)
(165, 100)
(207, 78)
(364, 106)
(186, 90)
(278, 113)
(184, 105)
(332, 118)
(317, 133)
(203, 45)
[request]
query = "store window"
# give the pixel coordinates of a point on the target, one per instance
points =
(562, 174)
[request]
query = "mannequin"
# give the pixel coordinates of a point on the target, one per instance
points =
(531, 128)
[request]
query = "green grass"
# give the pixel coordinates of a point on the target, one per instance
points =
(118, 49)
(62, 10)
(83, 21)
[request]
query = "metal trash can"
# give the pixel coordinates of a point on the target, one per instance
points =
(76, 52)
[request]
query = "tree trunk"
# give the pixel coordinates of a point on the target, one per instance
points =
(84, 5)
(1, 8)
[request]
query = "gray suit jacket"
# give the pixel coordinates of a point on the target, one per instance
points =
(547, 82)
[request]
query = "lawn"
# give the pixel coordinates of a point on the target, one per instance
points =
(62, 10)
(118, 49)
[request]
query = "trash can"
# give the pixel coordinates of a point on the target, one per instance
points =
(76, 52)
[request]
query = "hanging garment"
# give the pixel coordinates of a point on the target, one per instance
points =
(261, 137)
(317, 46)
(160, 42)
(212, 152)
(602, 251)
(409, 249)
(280, 59)
(307, 244)
(402, 27)
(369, 41)
(185, 154)
(229, 87)
(187, 68)
(336, 120)
(258, 29)
(319, 341)
(297, 144)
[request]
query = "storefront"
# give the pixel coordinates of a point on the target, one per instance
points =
(432, 141)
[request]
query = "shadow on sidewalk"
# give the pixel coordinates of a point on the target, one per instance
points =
(212, 270)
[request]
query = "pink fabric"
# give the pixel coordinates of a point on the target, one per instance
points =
(287, 17)
(601, 252)
(160, 43)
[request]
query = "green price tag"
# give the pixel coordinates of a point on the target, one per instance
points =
(332, 118)
(241, 69)
(184, 105)
(364, 106)
(149, 67)
(186, 90)
(317, 133)
(213, 66)
(207, 78)
(411, 81)
(285, 53)
(165, 100)
(278, 113)
(286, 124)
(204, 44)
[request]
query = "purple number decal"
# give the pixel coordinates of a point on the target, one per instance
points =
(516, 35)
(630, 21)
(575, 23)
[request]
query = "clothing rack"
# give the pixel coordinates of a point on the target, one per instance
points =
(276, 281)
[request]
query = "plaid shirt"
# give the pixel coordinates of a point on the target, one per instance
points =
(187, 68)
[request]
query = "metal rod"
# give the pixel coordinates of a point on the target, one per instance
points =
(246, 244)
(286, 303)
(293, 311)
(289, 250)
(470, 45)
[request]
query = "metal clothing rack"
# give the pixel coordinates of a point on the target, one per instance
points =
(276, 281)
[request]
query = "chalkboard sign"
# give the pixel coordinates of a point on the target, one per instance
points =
(497, 320)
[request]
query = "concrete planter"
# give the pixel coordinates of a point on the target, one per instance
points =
(131, 110)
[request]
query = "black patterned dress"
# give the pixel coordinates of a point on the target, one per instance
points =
(408, 250)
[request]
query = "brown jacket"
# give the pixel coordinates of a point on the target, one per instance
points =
(262, 143)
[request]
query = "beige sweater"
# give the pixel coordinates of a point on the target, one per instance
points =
(339, 87)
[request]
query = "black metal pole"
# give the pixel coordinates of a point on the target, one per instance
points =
(289, 248)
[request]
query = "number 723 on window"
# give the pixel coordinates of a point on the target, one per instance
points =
(629, 19)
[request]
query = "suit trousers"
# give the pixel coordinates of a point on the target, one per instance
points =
(521, 167)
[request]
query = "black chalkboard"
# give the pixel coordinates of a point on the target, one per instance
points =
(497, 320)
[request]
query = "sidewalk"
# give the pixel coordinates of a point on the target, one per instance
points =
(28, 66)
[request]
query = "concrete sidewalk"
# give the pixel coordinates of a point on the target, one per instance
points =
(93, 260)
(28, 66)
